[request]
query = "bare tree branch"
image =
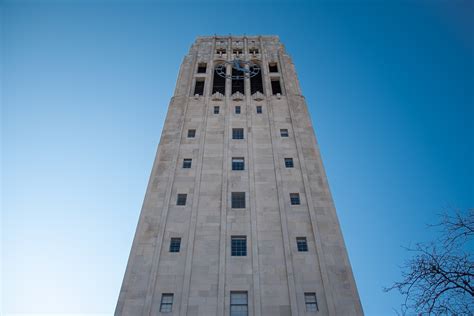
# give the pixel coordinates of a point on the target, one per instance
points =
(439, 278)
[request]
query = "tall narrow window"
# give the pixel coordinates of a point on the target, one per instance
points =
(237, 133)
(302, 244)
(295, 199)
(166, 305)
(199, 86)
(201, 68)
(216, 110)
(256, 83)
(219, 83)
(238, 246)
(310, 302)
(191, 133)
(259, 109)
(237, 109)
(276, 88)
(238, 303)
(273, 67)
(187, 163)
(289, 163)
(238, 199)
(238, 164)
(238, 84)
(175, 244)
(181, 200)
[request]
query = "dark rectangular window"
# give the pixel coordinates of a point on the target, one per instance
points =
(259, 109)
(301, 243)
(253, 51)
(199, 87)
(289, 163)
(273, 67)
(276, 87)
(238, 164)
(187, 163)
(201, 68)
(218, 84)
(191, 133)
(238, 84)
(237, 51)
(220, 51)
(237, 133)
(175, 244)
(239, 246)
(238, 199)
(181, 200)
(216, 110)
(166, 305)
(284, 132)
(295, 198)
(310, 302)
(237, 109)
(256, 82)
(238, 303)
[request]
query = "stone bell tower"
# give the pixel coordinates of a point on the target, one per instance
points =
(238, 218)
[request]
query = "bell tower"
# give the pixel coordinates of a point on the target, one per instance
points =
(238, 218)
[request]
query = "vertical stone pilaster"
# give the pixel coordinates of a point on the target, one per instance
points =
(252, 194)
(221, 293)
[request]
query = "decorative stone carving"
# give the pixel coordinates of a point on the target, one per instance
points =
(237, 44)
(217, 96)
(238, 96)
(258, 96)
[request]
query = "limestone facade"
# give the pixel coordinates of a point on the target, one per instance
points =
(275, 276)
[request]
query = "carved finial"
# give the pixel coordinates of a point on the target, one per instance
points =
(258, 96)
(238, 96)
(217, 96)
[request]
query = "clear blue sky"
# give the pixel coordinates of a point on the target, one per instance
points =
(85, 89)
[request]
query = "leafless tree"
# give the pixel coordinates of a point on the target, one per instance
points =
(439, 278)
